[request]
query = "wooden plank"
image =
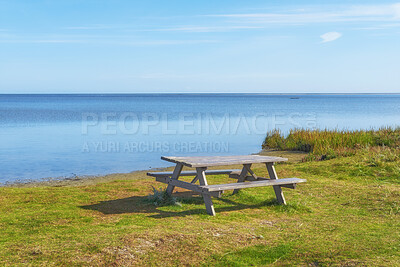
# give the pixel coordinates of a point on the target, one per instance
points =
(234, 175)
(175, 176)
(222, 160)
(192, 173)
(251, 178)
(252, 173)
(242, 176)
(195, 179)
(290, 186)
(189, 186)
(209, 204)
(237, 175)
(278, 190)
(201, 174)
(247, 178)
(269, 182)
(182, 184)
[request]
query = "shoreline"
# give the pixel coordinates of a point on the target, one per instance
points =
(84, 180)
(79, 180)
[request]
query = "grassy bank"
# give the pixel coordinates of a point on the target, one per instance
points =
(348, 213)
(326, 144)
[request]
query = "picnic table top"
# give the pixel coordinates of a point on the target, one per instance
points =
(208, 161)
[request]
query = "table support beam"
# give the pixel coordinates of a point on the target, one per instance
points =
(175, 175)
(207, 197)
(242, 176)
(278, 190)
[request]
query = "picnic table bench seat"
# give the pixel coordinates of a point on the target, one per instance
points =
(259, 183)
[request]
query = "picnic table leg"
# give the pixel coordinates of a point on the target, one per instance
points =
(242, 176)
(207, 198)
(277, 188)
(175, 176)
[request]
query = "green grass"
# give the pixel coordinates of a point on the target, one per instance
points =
(348, 213)
(328, 144)
(258, 255)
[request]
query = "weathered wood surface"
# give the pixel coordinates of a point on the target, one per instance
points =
(201, 175)
(247, 178)
(250, 178)
(175, 176)
(242, 176)
(278, 190)
(287, 182)
(195, 162)
(193, 187)
(274, 182)
(179, 183)
(192, 173)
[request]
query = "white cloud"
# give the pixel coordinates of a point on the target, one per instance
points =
(223, 28)
(330, 36)
(380, 27)
(208, 28)
(92, 27)
(165, 42)
(396, 9)
(105, 40)
(358, 13)
(372, 16)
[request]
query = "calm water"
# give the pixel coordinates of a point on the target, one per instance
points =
(66, 135)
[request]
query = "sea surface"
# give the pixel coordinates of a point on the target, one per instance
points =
(45, 136)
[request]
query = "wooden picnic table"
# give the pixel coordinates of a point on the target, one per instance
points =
(246, 178)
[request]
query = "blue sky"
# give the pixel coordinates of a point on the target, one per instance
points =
(116, 46)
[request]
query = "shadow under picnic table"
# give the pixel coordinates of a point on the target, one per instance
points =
(137, 204)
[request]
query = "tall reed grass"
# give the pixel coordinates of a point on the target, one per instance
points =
(325, 144)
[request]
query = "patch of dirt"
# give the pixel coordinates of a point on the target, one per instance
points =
(267, 223)
(190, 248)
(112, 256)
(351, 263)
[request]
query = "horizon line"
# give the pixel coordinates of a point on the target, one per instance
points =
(203, 93)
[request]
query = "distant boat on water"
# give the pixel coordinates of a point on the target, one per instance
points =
(295, 98)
